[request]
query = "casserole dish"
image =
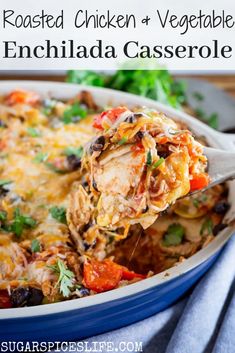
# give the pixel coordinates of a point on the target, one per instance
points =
(85, 317)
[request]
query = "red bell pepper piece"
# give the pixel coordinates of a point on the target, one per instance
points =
(101, 276)
(112, 115)
(199, 181)
(22, 97)
(5, 301)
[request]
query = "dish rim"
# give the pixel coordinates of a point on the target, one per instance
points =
(216, 138)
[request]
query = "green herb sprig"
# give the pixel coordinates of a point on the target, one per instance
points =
(76, 151)
(74, 113)
(19, 223)
(35, 245)
(66, 277)
(149, 158)
(40, 157)
(58, 213)
(207, 227)
(33, 132)
(155, 84)
(5, 182)
(158, 163)
(174, 235)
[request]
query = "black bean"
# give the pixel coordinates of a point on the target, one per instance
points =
(145, 209)
(3, 191)
(35, 297)
(98, 144)
(221, 207)
(85, 184)
(87, 226)
(88, 246)
(163, 154)
(84, 291)
(19, 296)
(163, 151)
(74, 162)
(140, 134)
(100, 140)
(130, 119)
(94, 185)
(26, 296)
(218, 228)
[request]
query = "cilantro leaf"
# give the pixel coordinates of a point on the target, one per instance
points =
(40, 157)
(3, 216)
(74, 114)
(48, 107)
(58, 213)
(198, 96)
(122, 141)
(174, 235)
(158, 163)
(53, 168)
(76, 151)
(35, 245)
(5, 182)
(33, 132)
(149, 158)
(20, 222)
(196, 203)
(207, 227)
(212, 120)
(200, 113)
(155, 84)
(86, 77)
(66, 277)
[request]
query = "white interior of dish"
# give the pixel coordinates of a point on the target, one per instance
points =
(103, 97)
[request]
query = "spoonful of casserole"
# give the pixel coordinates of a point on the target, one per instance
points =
(135, 168)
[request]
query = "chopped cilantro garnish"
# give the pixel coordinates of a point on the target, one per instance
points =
(53, 168)
(33, 132)
(212, 120)
(158, 163)
(207, 227)
(74, 114)
(203, 197)
(49, 105)
(66, 277)
(174, 235)
(58, 213)
(19, 223)
(122, 141)
(3, 216)
(35, 245)
(42, 206)
(5, 182)
(40, 157)
(149, 158)
(76, 151)
(198, 96)
(86, 77)
(200, 113)
(196, 203)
